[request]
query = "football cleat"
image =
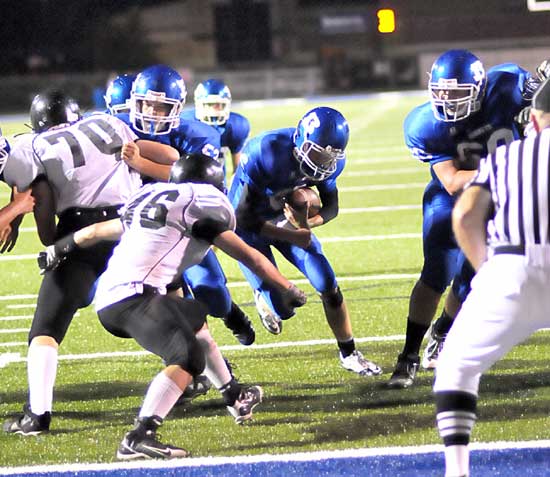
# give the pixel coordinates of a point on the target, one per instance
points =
(29, 424)
(198, 387)
(142, 442)
(433, 349)
(357, 363)
(269, 319)
(240, 325)
(248, 399)
(404, 372)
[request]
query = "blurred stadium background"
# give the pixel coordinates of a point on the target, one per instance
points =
(260, 48)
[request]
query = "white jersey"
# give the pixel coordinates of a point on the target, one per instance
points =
(82, 162)
(158, 242)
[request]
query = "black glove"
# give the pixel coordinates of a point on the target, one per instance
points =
(294, 297)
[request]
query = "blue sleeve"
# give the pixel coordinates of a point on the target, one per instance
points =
(240, 128)
(423, 137)
(329, 184)
(194, 136)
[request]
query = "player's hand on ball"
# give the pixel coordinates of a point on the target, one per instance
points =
(297, 217)
(294, 297)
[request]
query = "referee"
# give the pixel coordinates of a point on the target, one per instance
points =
(505, 206)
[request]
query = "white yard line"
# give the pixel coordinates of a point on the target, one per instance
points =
(16, 317)
(379, 172)
(366, 188)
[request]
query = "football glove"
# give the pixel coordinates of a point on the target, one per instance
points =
(48, 259)
(294, 297)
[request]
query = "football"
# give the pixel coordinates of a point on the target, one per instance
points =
(298, 199)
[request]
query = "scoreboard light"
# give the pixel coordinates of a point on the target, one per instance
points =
(386, 20)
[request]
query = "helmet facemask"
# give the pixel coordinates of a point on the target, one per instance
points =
(317, 163)
(453, 102)
(213, 110)
(153, 113)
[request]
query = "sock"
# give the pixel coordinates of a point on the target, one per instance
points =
(160, 397)
(457, 461)
(230, 392)
(443, 324)
(41, 373)
(216, 369)
(414, 337)
(346, 347)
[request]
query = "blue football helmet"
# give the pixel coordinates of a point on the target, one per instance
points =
(157, 97)
(117, 96)
(457, 85)
(212, 102)
(319, 142)
(4, 151)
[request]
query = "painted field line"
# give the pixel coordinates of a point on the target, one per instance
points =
(16, 297)
(375, 160)
(381, 208)
(378, 172)
(13, 344)
(368, 238)
(412, 185)
(193, 462)
(359, 238)
(14, 330)
(23, 305)
(282, 344)
(16, 317)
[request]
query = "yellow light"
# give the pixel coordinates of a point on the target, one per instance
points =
(386, 20)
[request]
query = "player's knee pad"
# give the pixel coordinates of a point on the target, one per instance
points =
(193, 361)
(333, 298)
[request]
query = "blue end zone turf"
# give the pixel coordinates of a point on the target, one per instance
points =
(522, 461)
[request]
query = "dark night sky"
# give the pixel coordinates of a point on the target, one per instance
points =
(60, 30)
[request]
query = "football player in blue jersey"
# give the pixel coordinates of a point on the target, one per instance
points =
(469, 114)
(272, 165)
(213, 107)
(156, 100)
(117, 96)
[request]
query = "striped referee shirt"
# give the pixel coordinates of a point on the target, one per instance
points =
(517, 175)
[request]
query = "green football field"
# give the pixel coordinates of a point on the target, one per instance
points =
(311, 403)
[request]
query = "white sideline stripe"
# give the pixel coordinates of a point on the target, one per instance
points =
(412, 185)
(251, 459)
(15, 318)
(13, 344)
(16, 297)
(25, 305)
(282, 344)
(378, 172)
(375, 160)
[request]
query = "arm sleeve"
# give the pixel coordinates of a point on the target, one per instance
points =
(23, 166)
(329, 210)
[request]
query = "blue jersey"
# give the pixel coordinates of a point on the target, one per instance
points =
(268, 167)
(233, 133)
(189, 137)
(434, 141)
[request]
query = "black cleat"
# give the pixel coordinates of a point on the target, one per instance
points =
(240, 325)
(404, 372)
(198, 387)
(142, 442)
(29, 424)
